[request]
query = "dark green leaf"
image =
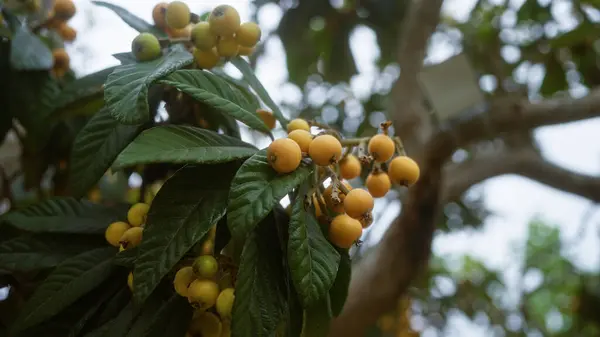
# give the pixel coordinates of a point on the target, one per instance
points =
(28, 52)
(185, 208)
(182, 144)
(133, 21)
(313, 260)
(127, 257)
(95, 149)
(126, 89)
(216, 93)
(250, 77)
(259, 301)
(120, 325)
(125, 58)
(255, 190)
(66, 215)
(68, 282)
(339, 290)
(170, 318)
(555, 79)
(317, 319)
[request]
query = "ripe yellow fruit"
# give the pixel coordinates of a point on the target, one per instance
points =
(248, 34)
(350, 167)
(246, 51)
(206, 324)
(136, 216)
(132, 237)
(325, 150)
(404, 171)
(227, 47)
(159, 15)
(378, 184)
(145, 47)
(64, 9)
(115, 231)
(303, 138)
(298, 124)
(225, 303)
(66, 32)
(202, 294)
(202, 37)
(206, 59)
(338, 208)
(61, 59)
(130, 281)
(224, 20)
(183, 278)
(180, 33)
(205, 266)
(381, 147)
(178, 15)
(344, 231)
(267, 118)
(358, 203)
(284, 155)
(318, 211)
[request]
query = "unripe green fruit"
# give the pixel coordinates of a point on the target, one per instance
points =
(225, 303)
(178, 15)
(205, 266)
(145, 47)
(224, 20)
(202, 37)
(202, 294)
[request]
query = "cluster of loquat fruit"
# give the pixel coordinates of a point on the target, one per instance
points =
(57, 20)
(222, 35)
(351, 208)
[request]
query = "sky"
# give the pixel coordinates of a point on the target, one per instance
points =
(513, 200)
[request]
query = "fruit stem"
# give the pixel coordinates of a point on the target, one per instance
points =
(399, 146)
(336, 181)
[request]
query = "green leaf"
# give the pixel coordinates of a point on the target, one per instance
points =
(133, 21)
(66, 215)
(126, 89)
(125, 58)
(182, 144)
(218, 94)
(28, 52)
(169, 318)
(183, 211)
(339, 290)
(250, 77)
(255, 190)
(555, 79)
(96, 147)
(259, 301)
(313, 260)
(68, 282)
(40, 251)
(127, 257)
(317, 319)
(120, 325)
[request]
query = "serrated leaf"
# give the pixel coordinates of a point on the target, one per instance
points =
(41, 251)
(96, 147)
(126, 89)
(132, 20)
(185, 208)
(28, 52)
(255, 190)
(317, 319)
(250, 77)
(218, 94)
(182, 144)
(259, 301)
(66, 215)
(312, 259)
(339, 290)
(72, 279)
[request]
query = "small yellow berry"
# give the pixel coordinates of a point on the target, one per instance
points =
(248, 34)
(358, 202)
(284, 155)
(298, 124)
(325, 150)
(303, 138)
(350, 167)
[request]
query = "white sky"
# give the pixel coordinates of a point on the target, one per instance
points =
(514, 200)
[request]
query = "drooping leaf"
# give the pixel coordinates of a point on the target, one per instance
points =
(40, 251)
(66, 215)
(218, 94)
(317, 319)
(183, 211)
(96, 147)
(259, 296)
(313, 261)
(182, 144)
(255, 190)
(126, 89)
(339, 290)
(72, 279)
(28, 52)
(250, 77)
(132, 20)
